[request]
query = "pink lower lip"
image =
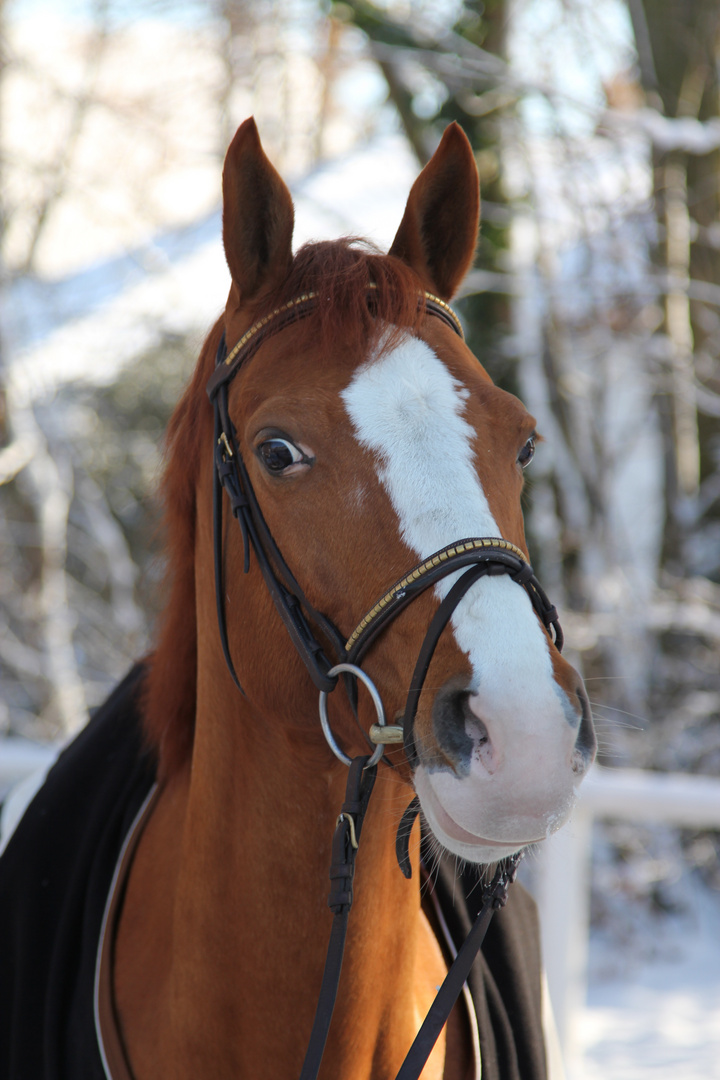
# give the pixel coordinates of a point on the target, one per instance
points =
(451, 827)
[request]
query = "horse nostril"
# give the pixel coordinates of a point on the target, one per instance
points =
(586, 742)
(449, 714)
(478, 731)
(483, 750)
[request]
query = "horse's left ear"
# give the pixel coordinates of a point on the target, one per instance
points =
(257, 218)
(438, 232)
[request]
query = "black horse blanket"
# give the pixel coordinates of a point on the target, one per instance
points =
(58, 871)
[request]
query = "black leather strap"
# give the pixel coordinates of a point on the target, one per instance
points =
(402, 839)
(495, 896)
(346, 839)
(289, 599)
(224, 373)
(221, 478)
(435, 629)
(498, 560)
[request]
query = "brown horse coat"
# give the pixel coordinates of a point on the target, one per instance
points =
(57, 875)
(207, 958)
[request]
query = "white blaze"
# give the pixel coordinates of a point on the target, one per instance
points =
(408, 409)
(410, 412)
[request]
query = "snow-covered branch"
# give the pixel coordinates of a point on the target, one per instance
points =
(666, 133)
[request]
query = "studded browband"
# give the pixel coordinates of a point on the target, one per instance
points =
(231, 362)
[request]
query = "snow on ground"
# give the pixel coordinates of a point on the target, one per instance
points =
(658, 1019)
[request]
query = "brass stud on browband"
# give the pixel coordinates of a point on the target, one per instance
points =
(448, 311)
(262, 323)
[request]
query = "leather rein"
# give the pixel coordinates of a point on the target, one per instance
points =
(475, 556)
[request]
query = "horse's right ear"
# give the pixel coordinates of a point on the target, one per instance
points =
(258, 217)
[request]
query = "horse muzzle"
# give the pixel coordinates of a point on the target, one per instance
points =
(492, 779)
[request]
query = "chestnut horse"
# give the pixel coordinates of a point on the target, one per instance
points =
(368, 438)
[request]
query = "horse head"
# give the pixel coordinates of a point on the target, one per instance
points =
(372, 439)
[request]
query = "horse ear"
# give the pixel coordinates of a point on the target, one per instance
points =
(438, 232)
(258, 217)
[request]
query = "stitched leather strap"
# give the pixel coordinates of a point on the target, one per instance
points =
(498, 555)
(344, 852)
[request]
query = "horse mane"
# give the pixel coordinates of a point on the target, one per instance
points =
(361, 292)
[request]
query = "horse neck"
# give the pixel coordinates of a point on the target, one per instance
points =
(251, 909)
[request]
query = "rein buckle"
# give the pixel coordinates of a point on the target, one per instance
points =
(223, 441)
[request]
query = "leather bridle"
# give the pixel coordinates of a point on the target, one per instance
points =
(475, 556)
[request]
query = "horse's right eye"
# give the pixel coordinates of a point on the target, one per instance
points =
(277, 455)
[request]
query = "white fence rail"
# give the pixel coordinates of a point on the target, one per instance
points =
(564, 867)
(563, 864)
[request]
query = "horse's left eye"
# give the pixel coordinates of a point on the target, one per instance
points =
(277, 455)
(527, 453)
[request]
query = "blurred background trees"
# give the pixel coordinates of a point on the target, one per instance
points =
(595, 296)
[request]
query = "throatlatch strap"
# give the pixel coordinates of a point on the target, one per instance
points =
(289, 599)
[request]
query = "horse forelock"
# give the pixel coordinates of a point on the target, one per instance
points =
(361, 293)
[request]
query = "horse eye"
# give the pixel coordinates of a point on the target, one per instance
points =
(279, 454)
(527, 453)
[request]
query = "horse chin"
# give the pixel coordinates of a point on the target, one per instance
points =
(456, 839)
(489, 841)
